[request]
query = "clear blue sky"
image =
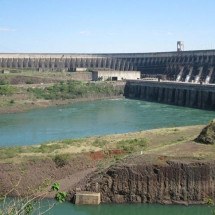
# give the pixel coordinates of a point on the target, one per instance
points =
(98, 26)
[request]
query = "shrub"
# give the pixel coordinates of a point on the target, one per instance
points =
(7, 90)
(61, 160)
(74, 89)
(61, 196)
(30, 204)
(29, 81)
(4, 82)
(12, 101)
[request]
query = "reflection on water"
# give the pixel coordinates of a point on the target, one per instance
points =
(94, 118)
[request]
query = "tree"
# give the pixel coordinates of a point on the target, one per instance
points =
(26, 205)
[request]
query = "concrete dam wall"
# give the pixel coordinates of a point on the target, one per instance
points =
(181, 94)
(184, 66)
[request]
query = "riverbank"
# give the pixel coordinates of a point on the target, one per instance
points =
(26, 105)
(23, 97)
(82, 163)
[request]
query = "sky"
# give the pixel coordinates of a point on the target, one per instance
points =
(105, 26)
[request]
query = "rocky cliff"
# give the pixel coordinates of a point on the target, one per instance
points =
(142, 179)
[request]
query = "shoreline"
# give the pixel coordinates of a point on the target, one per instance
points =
(89, 158)
(40, 104)
(151, 155)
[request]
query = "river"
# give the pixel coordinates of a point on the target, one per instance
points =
(99, 118)
(94, 118)
(130, 209)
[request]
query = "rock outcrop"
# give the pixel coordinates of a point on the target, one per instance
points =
(138, 180)
(207, 136)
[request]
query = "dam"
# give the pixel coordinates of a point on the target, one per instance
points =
(187, 77)
(181, 94)
(185, 66)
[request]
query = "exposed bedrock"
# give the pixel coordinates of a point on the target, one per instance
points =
(173, 181)
(207, 135)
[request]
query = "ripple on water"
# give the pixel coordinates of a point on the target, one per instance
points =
(94, 118)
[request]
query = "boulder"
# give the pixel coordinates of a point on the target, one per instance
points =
(207, 135)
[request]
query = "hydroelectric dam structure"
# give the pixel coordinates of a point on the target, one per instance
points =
(184, 66)
(187, 77)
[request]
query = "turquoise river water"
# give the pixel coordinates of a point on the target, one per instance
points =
(130, 209)
(94, 118)
(99, 118)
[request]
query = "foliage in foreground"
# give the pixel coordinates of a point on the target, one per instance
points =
(30, 204)
(210, 204)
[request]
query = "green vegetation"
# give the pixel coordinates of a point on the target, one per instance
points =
(71, 141)
(99, 143)
(61, 160)
(4, 82)
(46, 148)
(29, 81)
(10, 152)
(132, 145)
(211, 204)
(207, 135)
(54, 87)
(12, 101)
(74, 89)
(31, 204)
(162, 141)
(55, 186)
(7, 90)
(61, 197)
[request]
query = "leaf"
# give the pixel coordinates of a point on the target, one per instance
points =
(56, 186)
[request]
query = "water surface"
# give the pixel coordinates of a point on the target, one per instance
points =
(99, 118)
(94, 118)
(130, 209)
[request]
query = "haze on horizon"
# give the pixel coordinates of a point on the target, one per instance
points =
(99, 26)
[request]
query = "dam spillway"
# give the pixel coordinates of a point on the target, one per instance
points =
(189, 75)
(185, 66)
(181, 94)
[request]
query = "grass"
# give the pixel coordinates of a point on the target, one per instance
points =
(159, 141)
(132, 145)
(7, 90)
(47, 148)
(26, 76)
(101, 143)
(11, 152)
(4, 82)
(71, 141)
(15, 151)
